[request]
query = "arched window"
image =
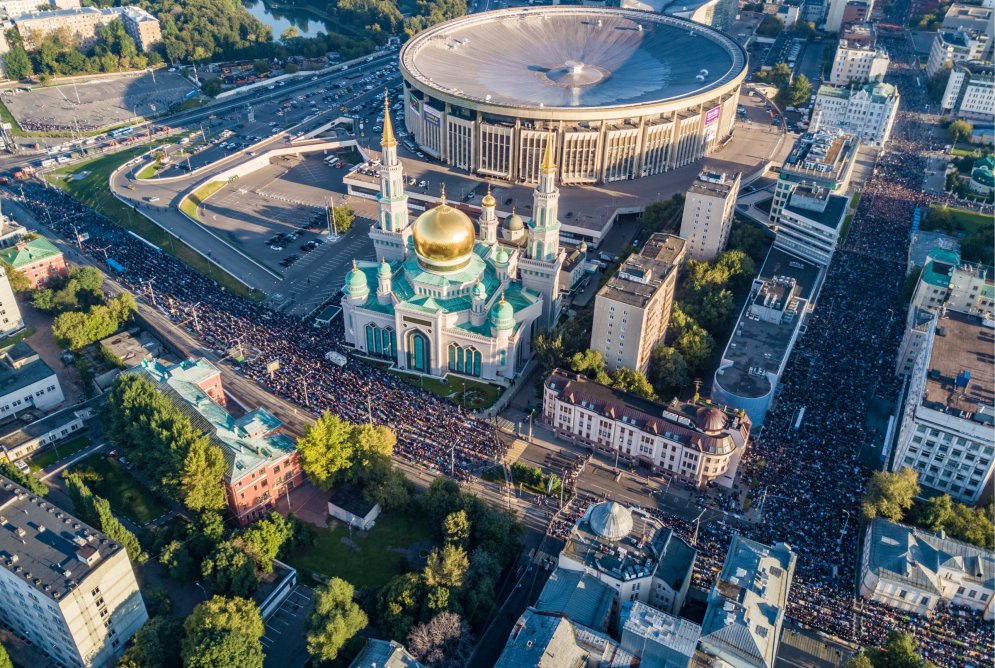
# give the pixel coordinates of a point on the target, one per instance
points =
(381, 341)
(464, 360)
(419, 354)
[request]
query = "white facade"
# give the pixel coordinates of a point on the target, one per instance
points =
(970, 91)
(858, 64)
(946, 432)
(950, 48)
(85, 623)
(811, 223)
(696, 443)
(913, 570)
(10, 313)
(708, 212)
(867, 112)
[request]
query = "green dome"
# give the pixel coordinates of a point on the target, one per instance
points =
(479, 291)
(514, 222)
(503, 315)
(355, 282)
(502, 256)
(385, 270)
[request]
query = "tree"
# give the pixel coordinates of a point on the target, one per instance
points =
(77, 329)
(229, 570)
(771, 26)
(326, 449)
(26, 480)
(942, 513)
(223, 633)
(889, 495)
(660, 217)
(798, 92)
(456, 528)
(901, 651)
(668, 370)
(343, 217)
(5, 661)
(860, 660)
(446, 567)
(444, 640)
(392, 490)
(260, 67)
(960, 130)
(200, 480)
(373, 446)
(335, 619)
(291, 68)
(18, 64)
(591, 363)
(154, 646)
(399, 604)
(549, 351)
(263, 540)
(633, 382)
(750, 239)
(289, 33)
(211, 87)
(19, 282)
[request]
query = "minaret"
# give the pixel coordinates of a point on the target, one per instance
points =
(544, 229)
(488, 221)
(384, 278)
(540, 269)
(392, 231)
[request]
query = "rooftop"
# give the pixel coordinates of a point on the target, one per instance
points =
(924, 244)
(27, 253)
(961, 371)
(747, 603)
(831, 216)
(546, 640)
(132, 346)
(576, 595)
(16, 374)
(910, 555)
(571, 57)
(820, 154)
(675, 633)
(348, 497)
(940, 263)
(714, 184)
(758, 346)
(51, 550)
(644, 273)
(384, 654)
(682, 422)
(14, 434)
(248, 443)
(878, 93)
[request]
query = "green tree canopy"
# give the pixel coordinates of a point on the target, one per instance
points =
(326, 449)
(25, 479)
(229, 570)
(335, 619)
(634, 382)
(223, 633)
(942, 513)
(890, 495)
(399, 604)
(591, 363)
(263, 540)
(446, 567)
(668, 371)
(343, 217)
(5, 661)
(18, 64)
(154, 646)
(901, 651)
(456, 528)
(960, 130)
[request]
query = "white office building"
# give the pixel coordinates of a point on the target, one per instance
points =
(957, 46)
(858, 63)
(867, 112)
(26, 382)
(970, 91)
(708, 212)
(946, 432)
(10, 312)
(913, 570)
(811, 223)
(65, 586)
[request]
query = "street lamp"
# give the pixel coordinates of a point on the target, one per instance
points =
(197, 582)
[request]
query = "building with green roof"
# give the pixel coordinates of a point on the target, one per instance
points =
(866, 111)
(38, 259)
(982, 179)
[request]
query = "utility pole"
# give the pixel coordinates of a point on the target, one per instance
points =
(152, 293)
(369, 410)
(307, 402)
(196, 323)
(697, 523)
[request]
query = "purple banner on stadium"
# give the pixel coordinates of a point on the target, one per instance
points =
(712, 115)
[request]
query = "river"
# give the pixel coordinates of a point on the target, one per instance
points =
(280, 19)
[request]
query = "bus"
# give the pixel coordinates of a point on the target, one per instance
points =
(122, 132)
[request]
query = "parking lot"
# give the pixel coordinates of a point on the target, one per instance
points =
(284, 640)
(98, 103)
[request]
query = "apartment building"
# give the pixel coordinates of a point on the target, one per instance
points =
(261, 462)
(65, 586)
(11, 8)
(708, 212)
(10, 313)
(867, 112)
(913, 570)
(698, 441)
(957, 46)
(819, 158)
(811, 223)
(632, 310)
(946, 429)
(858, 63)
(85, 23)
(746, 606)
(970, 91)
(969, 17)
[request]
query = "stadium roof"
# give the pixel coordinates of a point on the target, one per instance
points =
(572, 57)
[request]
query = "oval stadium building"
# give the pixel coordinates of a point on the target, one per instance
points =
(625, 93)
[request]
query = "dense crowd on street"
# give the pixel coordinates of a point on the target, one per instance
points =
(812, 478)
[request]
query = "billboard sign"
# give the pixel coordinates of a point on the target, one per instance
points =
(712, 115)
(432, 116)
(413, 103)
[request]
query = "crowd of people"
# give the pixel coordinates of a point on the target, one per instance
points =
(812, 477)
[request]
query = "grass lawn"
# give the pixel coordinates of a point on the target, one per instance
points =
(94, 191)
(969, 221)
(122, 490)
(191, 203)
(148, 171)
(374, 563)
(17, 338)
(479, 396)
(60, 450)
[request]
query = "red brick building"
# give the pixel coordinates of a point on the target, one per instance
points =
(261, 462)
(37, 259)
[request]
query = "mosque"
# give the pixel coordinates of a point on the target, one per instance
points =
(445, 297)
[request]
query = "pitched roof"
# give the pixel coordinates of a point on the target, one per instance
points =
(577, 595)
(29, 252)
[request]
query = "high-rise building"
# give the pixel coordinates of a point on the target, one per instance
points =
(10, 312)
(632, 310)
(742, 625)
(858, 63)
(811, 223)
(708, 212)
(946, 430)
(65, 586)
(823, 159)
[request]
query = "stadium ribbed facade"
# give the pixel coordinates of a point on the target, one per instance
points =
(627, 93)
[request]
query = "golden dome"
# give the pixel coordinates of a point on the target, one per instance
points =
(488, 199)
(443, 238)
